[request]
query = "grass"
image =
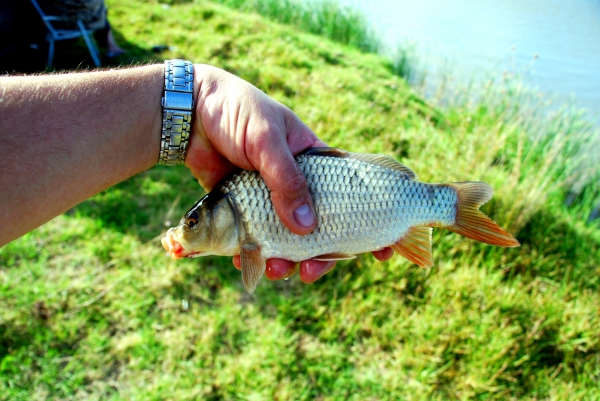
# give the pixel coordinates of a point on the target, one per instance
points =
(404, 62)
(338, 23)
(92, 309)
(323, 17)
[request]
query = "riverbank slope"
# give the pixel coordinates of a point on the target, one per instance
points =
(92, 309)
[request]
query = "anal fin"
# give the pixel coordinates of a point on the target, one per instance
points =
(253, 265)
(415, 246)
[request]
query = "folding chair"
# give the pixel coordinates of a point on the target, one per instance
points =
(63, 34)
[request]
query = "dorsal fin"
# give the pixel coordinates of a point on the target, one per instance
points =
(324, 151)
(378, 160)
(415, 246)
(384, 161)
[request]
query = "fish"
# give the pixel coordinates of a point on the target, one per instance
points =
(363, 202)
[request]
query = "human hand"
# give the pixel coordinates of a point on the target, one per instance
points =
(238, 126)
(310, 270)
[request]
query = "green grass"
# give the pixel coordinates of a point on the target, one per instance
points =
(92, 309)
(341, 24)
(322, 17)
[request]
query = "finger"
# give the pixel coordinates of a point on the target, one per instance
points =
(237, 262)
(312, 270)
(279, 268)
(299, 136)
(383, 254)
(289, 190)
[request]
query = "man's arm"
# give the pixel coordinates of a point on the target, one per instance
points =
(67, 137)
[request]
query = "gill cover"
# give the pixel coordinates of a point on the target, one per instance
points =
(210, 226)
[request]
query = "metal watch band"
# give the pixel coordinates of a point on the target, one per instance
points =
(177, 105)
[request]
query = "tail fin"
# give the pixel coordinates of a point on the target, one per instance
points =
(472, 223)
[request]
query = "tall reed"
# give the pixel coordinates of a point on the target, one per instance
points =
(543, 152)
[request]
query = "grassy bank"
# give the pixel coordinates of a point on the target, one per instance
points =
(338, 23)
(325, 18)
(90, 308)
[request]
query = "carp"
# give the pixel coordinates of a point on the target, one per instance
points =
(363, 203)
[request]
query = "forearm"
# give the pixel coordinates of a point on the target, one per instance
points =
(67, 137)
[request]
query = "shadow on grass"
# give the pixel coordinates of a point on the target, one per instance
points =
(559, 251)
(539, 344)
(32, 349)
(146, 204)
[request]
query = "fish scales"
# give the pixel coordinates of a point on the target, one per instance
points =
(360, 207)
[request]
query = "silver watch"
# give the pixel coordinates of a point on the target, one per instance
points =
(177, 105)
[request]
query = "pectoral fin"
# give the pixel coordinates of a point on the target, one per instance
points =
(415, 246)
(253, 265)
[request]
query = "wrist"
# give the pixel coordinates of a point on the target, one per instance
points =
(150, 80)
(199, 72)
(178, 111)
(207, 79)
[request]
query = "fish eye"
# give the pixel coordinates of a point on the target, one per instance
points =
(192, 220)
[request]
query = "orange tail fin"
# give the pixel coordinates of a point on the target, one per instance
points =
(472, 223)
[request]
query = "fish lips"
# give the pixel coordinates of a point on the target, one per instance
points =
(175, 249)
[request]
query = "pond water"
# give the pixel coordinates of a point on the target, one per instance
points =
(483, 37)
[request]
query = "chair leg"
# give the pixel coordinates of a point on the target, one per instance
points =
(91, 46)
(50, 52)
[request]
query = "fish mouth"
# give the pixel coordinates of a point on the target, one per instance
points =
(175, 249)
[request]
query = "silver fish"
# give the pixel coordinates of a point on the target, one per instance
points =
(363, 203)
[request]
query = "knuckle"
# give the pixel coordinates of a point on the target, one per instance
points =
(295, 185)
(260, 136)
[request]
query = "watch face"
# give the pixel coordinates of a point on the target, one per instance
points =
(178, 100)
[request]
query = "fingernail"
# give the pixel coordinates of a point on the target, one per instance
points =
(324, 269)
(314, 270)
(304, 216)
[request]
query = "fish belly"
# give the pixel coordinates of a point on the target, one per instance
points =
(360, 207)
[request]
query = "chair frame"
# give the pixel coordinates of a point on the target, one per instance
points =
(54, 34)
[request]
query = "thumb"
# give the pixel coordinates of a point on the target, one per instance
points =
(289, 189)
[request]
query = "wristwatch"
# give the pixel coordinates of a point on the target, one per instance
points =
(177, 104)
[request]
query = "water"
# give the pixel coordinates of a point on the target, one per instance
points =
(475, 38)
